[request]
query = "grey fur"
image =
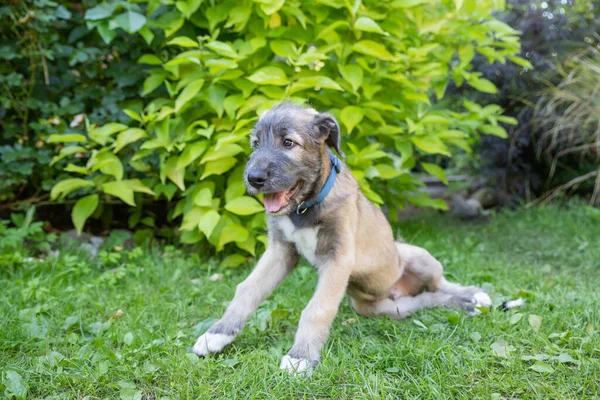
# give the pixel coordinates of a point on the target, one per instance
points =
(345, 237)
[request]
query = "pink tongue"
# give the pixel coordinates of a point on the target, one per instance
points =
(274, 201)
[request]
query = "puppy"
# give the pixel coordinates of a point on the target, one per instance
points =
(316, 210)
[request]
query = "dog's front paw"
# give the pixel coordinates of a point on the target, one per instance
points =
(211, 343)
(297, 366)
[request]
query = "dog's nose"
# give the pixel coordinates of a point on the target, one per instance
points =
(257, 177)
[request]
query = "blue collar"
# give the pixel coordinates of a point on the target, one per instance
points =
(336, 168)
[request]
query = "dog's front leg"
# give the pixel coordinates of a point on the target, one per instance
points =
(272, 268)
(317, 317)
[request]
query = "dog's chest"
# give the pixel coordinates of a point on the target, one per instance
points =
(305, 239)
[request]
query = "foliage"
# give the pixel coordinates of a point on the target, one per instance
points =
(567, 118)
(551, 31)
(24, 232)
(212, 66)
(123, 329)
(53, 71)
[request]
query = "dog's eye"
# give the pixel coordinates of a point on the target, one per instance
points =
(254, 144)
(288, 144)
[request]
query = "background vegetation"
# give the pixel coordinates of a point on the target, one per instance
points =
(381, 67)
(150, 103)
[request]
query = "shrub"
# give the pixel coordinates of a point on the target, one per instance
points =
(551, 30)
(381, 68)
(567, 118)
(54, 70)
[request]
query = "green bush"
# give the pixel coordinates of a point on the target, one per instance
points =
(381, 67)
(567, 131)
(54, 70)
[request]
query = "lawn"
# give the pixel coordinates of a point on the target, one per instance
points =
(122, 325)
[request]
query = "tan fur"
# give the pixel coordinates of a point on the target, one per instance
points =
(355, 253)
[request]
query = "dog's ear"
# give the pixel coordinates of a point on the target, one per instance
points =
(330, 130)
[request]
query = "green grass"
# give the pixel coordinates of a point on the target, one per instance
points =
(61, 333)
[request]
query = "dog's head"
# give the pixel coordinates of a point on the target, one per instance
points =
(289, 144)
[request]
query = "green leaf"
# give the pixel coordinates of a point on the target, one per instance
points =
(408, 3)
(191, 153)
(67, 186)
(222, 48)
(501, 348)
(372, 49)
(244, 205)
(101, 11)
(314, 82)
(149, 59)
(191, 219)
(208, 222)
(203, 198)
(102, 135)
(133, 115)
(130, 21)
(188, 7)
(107, 163)
(430, 145)
(232, 233)
(232, 103)
(435, 170)
(284, 48)
(535, 321)
(66, 138)
(368, 25)
(515, 318)
(137, 186)
(182, 41)
(83, 209)
(188, 93)
(483, 85)
(248, 245)
(76, 168)
(270, 6)
(386, 171)
(507, 120)
(269, 76)
(218, 167)
(542, 367)
(216, 97)
(521, 61)
(224, 151)
(351, 116)
(174, 173)
(566, 358)
(15, 385)
(152, 82)
(233, 261)
(120, 189)
(128, 136)
(147, 34)
(353, 74)
(495, 130)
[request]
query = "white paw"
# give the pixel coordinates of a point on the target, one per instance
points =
(480, 299)
(295, 366)
(211, 343)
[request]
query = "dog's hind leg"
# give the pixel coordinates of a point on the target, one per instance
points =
(406, 305)
(423, 272)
